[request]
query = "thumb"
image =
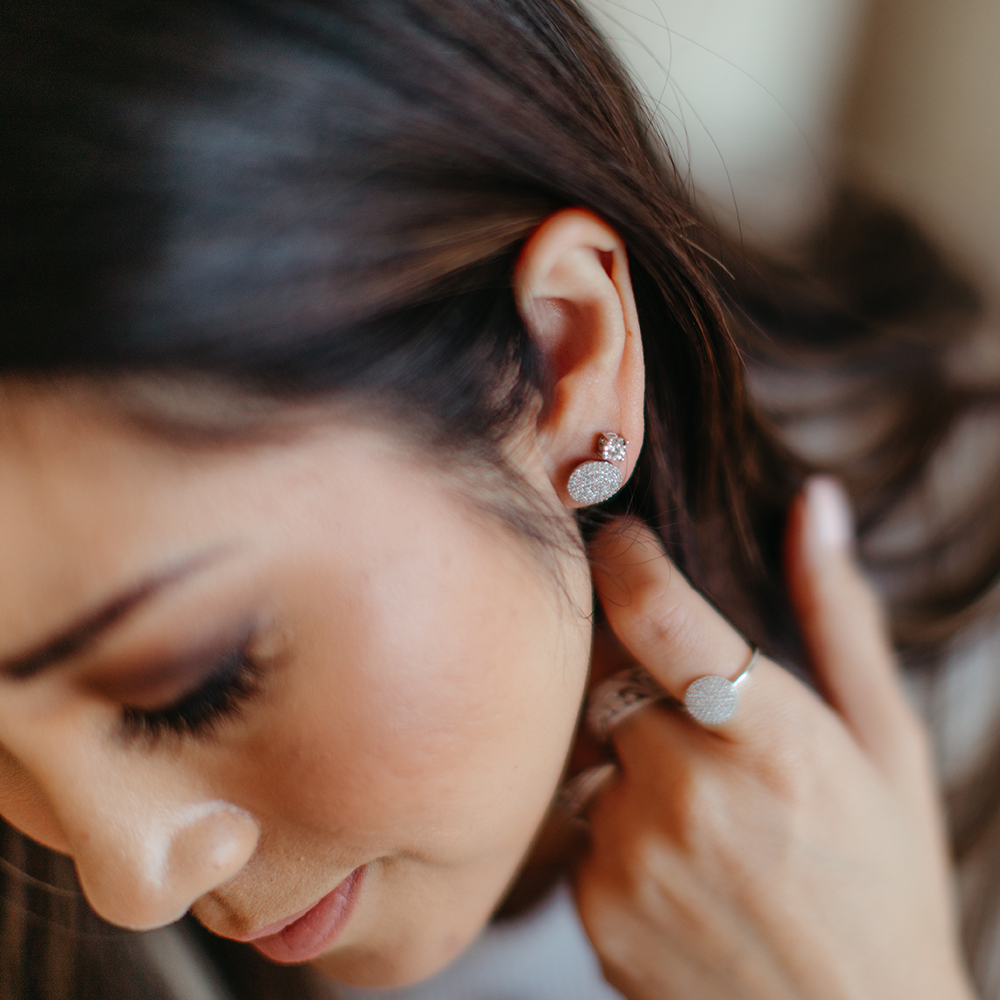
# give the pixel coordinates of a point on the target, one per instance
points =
(842, 622)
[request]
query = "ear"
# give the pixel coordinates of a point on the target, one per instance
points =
(574, 293)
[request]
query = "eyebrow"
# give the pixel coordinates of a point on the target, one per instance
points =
(86, 630)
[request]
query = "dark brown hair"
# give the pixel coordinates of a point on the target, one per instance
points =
(307, 198)
(317, 198)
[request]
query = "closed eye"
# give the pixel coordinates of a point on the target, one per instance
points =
(233, 681)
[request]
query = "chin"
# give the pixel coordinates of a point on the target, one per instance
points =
(397, 963)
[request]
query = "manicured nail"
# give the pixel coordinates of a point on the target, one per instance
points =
(829, 519)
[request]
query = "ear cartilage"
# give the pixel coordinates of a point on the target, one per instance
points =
(594, 482)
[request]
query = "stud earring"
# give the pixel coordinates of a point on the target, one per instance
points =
(594, 482)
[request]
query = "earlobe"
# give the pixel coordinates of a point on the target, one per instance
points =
(574, 293)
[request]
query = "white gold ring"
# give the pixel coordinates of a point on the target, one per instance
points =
(713, 699)
(710, 699)
(577, 793)
(619, 697)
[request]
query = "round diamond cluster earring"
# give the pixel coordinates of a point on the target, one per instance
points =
(596, 481)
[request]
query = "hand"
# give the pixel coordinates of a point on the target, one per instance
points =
(797, 851)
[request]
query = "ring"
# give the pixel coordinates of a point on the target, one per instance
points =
(577, 793)
(619, 697)
(712, 699)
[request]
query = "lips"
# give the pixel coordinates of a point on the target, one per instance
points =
(309, 933)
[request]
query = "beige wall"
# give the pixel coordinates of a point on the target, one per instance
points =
(923, 119)
(748, 91)
(761, 98)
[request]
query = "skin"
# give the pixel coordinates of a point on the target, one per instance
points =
(421, 669)
(421, 673)
(796, 851)
(423, 706)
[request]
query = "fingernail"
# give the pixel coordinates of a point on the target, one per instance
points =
(829, 520)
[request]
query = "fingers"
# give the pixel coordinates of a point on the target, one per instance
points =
(675, 633)
(842, 621)
(652, 608)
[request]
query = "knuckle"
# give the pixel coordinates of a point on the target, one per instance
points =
(707, 843)
(745, 829)
(592, 894)
(652, 862)
(660, 618)
(611, 931)
(697, 818)
(607, 914)
(788, 769)
(800, 730)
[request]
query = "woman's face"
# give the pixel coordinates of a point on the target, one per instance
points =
(405, 676)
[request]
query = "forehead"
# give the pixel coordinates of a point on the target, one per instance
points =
(78, 482)
(89, 502)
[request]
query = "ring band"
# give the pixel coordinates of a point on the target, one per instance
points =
(577, 793)
(619, 697)
(710, 699)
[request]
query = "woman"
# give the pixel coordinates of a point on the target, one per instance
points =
(313, 311)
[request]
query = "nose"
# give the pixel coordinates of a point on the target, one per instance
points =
(145, 845)
(145, 867)
(147, 835)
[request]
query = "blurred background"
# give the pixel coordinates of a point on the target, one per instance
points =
(767, 102)
(768, 107)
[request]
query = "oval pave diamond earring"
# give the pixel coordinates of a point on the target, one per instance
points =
(596, 481)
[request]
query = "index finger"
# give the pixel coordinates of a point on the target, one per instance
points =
(675, 633)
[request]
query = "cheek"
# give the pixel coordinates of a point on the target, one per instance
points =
(432, 708)
(435, 739)
(24, 807)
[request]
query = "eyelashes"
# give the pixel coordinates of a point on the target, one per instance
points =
(233, 682)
